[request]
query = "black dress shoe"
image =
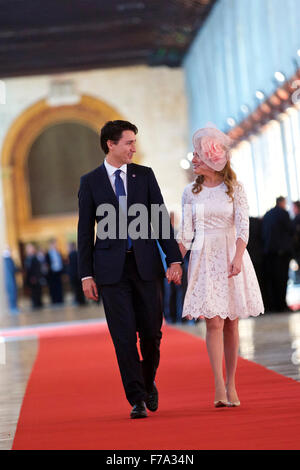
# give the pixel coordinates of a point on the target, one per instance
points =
(152, 399)
(138, 410)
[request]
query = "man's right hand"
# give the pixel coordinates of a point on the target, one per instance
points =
(89, 288)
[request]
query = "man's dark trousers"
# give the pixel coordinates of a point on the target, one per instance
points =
(133, 305)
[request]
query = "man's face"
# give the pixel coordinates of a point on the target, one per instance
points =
(122, 152)
(30, 250)
(282, 204)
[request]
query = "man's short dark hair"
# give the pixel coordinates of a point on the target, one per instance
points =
(112, 130)
(279, 200)
(297, 204)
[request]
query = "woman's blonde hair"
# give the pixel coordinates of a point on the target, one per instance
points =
(229, 178)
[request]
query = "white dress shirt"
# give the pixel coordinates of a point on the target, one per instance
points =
(111, 174)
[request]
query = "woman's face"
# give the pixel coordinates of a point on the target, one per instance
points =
(199, 167)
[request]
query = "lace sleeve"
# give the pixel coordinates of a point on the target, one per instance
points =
(241, 213)
(186, 232)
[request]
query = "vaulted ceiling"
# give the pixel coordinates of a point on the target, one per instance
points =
(51, 36)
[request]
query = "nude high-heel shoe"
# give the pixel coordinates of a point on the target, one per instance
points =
(233, 404)
(220, 404)
(223, 402)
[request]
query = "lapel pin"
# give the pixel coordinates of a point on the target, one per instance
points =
(133, 176)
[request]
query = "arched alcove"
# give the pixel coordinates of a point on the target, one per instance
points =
(57, 158)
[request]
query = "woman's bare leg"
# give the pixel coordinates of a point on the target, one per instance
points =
(215, 349)
(231, 348)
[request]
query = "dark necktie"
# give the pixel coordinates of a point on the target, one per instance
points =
(120, 191)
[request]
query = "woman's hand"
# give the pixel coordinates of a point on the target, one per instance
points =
(236, 266)
(174, 273)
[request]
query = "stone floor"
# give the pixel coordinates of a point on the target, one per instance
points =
(272, 340)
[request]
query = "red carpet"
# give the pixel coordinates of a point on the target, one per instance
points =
(295, 307)
(74, 400)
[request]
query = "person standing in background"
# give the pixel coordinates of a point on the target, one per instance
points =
(33, 276)
(277, 234)
(174, 292)
(296, 224)
(10, 281)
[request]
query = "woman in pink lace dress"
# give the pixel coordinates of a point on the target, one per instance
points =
(222, 284)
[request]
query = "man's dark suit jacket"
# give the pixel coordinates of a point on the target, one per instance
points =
(277, 231)
(104, 259)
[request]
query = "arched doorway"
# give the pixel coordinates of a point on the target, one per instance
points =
(57, 158)
(44, 153)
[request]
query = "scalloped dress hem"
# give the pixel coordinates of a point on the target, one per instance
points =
(224, 317)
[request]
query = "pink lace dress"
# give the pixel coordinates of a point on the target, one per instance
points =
(214, 222)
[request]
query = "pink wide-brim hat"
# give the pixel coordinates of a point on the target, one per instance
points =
(212, 146)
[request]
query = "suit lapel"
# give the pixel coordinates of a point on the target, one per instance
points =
(131, 184)
(104, 186)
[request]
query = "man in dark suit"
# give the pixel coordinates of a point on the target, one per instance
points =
(296, 241)
(33, 276)
(277, 233)
(127, 269)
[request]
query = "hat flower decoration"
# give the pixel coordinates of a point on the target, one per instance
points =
(212, 146)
